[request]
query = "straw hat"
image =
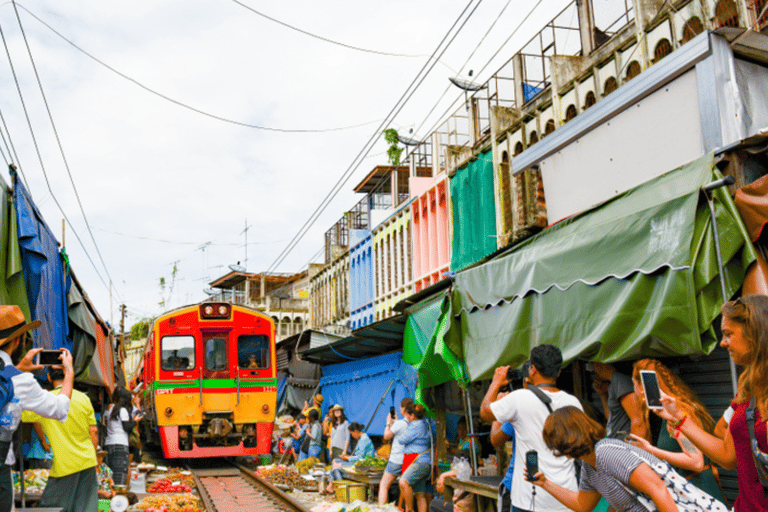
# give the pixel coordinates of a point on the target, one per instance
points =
(337, 407)
(101, 451)
(319, 398)
(13, 324)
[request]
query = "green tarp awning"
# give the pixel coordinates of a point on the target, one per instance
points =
(635, 276)
(13, 291)
(473, 207)
(424, 346)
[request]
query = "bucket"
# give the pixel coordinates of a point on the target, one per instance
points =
(103, 505)
(265, 460)
(347, 491)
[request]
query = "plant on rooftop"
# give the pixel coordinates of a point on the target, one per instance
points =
(394, 151)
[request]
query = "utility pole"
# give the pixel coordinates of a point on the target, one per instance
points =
(122, 330)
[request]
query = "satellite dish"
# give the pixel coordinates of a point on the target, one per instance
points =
(236, 268)
(407, 140)
(466, 84)
(211, 291)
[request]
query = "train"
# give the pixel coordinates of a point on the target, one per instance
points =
(209, 382)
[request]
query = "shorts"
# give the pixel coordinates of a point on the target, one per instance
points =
(394, 469)
(417, 475)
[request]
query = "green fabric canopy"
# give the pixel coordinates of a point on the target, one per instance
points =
(473, 206)
(82, 331)
(635, 276)
(13, 291)
(424, 346)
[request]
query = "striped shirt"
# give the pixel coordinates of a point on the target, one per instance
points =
(616, 460)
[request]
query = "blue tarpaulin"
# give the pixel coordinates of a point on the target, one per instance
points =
(43, 273)
(359, 385)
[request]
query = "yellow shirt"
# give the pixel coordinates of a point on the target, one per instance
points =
(73, 450)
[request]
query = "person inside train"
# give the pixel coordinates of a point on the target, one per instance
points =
(253, 361)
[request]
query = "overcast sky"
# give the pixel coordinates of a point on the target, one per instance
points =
(158, 181)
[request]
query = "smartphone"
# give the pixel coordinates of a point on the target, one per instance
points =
(49, 357)
(651, 389)
(392, 412)
(532, 464)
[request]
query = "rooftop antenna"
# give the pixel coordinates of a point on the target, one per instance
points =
(245, 231)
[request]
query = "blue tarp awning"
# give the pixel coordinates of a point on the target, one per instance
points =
(43, 273)
(359, 385)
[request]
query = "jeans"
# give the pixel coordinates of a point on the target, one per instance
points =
(314, 451)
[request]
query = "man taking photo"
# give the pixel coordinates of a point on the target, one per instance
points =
(526, 410)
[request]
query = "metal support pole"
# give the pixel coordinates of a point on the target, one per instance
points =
(383, 397)
(471, 428)
(728, 180)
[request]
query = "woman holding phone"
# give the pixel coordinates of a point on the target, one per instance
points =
(672, 446)
(745, 336)
(626, 476)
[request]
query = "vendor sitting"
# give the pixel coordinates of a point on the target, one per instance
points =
(104, 476)
(463, 440)
(363, 449)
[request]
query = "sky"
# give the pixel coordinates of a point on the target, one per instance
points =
(165, 181)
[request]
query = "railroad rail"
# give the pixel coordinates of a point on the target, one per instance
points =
(236, 487)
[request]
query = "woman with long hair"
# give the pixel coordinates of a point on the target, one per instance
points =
(744, 328)
(416, 442)
(673, 447)
(339, 432)
(119, 420)
(626, 476)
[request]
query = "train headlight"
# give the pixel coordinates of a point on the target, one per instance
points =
(265, 408)
(223, 310)
(208, 310)
(168, 412)
(215, 310)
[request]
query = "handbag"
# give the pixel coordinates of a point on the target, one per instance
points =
(305, 445)
(686, 496)
(760, 458)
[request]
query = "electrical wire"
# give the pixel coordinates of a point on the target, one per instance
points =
(189, 107)
(40, 157)
(172, 242)
(58, 141)
(369, 145)
(12, 148)
(321, 38)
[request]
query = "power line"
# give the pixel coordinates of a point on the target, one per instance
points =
(321, 38)
(189, 107)
(174, 242)
(40, 157)
(58, 141)
(410, 90)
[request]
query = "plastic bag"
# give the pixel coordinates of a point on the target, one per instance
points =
(461, 466)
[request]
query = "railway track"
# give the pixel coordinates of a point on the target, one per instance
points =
(232, 488)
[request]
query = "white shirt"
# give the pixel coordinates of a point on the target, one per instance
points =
(34, 398)
(527, 413)
(116, 434)
(396, 453)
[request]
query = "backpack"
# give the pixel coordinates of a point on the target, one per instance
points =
(6, 384)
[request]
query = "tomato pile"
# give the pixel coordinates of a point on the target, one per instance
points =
(170, 503)
(183, 508)
(166, 485)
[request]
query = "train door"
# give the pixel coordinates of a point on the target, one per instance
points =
(216, 355)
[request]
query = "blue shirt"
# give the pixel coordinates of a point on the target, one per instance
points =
(363, 449)
(415, 439)
(509, 429)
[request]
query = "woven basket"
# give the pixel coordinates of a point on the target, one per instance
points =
(347, 491)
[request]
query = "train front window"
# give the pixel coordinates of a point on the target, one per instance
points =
(177, 353)
(216, 354)
(253, 351)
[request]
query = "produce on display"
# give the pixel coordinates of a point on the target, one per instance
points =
(304, 466)
(168, 485)
(34, 480)
(371, 463)
(170, 503)
(281, 475)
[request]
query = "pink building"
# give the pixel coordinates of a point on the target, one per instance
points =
(431, 235)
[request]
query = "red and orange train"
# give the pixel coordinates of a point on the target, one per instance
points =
(210, 381)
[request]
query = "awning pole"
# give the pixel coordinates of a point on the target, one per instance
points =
(391, 383)
(471, 428)
(728, 180)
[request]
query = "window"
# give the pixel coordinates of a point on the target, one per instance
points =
(589, 100)
(549, 127)
(726, 14)
(633, 70)
(216, 354)
(610, 85)
(692, 28)
(533, 139)
(570, 112)
(177, 353)
(253, 351)
(663, 48)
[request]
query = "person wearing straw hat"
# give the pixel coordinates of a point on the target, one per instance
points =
(32, 397)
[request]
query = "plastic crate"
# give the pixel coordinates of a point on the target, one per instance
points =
(347, 491)
(443, 466)
(104, 504)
